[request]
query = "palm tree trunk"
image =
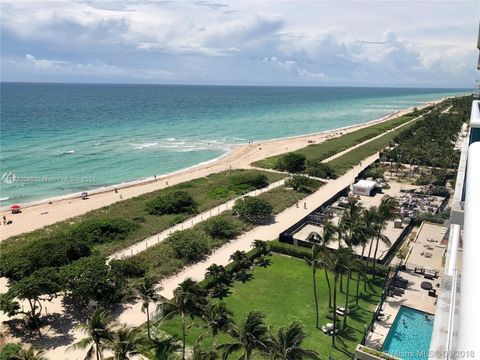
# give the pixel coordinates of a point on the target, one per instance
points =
(148, 323)
(184, 336)
(329, 289)
(346, 300)
(375, 254)
(97, 351)
(358, 286)
(369, 253)
(315, 296)
(341, 282)
(335, 280)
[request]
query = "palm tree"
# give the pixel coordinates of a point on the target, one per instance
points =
(217, 317)
(217, 272)
(336, 263)
(251, 335)
(240, 259)
(261, 247)
(314, 264)
(30, 354)
(126, 341)
(147, 292)
(99, 332)
(200, 353)
(189, 299)
(287, 344)
(161, 348)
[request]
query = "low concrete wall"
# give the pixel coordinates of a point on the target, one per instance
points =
(362, 354)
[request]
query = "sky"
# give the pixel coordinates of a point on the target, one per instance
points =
(314, 43)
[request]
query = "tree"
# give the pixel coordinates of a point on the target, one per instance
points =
(314, 263)
(147, 292)
(251, 335)
(291, 162)
(189, 299)
(126, 341)
(261, 247)
(302, 184)
(248, 180)
(99, 334)
(218, 275)
(319, 169)
(240, 259)
(30, 354)
(92, 278)
(253, 209)
(287, 344)
(161, 348)
(42, 285)
(216, 317)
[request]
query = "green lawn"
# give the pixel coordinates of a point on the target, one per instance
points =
(283, 291)
(208, 192)
(333, 146)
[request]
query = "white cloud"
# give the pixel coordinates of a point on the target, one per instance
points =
(308, 41)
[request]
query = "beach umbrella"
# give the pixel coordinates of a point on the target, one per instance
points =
(15, 206)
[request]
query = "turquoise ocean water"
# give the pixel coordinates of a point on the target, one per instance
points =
(58, 139)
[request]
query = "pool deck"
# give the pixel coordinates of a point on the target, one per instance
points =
(414, 297)
(428, 241)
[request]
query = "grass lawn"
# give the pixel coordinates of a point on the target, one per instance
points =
(335, 145)
(207, 192)
(283, 291)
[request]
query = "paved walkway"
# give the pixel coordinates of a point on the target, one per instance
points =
(161, 236)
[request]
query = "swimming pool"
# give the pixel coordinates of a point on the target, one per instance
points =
(410, 334)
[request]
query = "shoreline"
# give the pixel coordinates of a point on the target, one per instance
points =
(45, 212)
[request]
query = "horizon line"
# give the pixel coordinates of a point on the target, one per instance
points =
(235, 85)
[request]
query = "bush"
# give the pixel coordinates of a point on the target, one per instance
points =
(190, 244)
(291, 250)
(250, 180)
(52, 252)
(422, 181)
(176, 202)
(291, 162)
(440, 191)
(127, 268)
(222, 227)
(253, 210)
(96, 231)
(302, 184)
(10, 351)
(318, 169)
(374, 172)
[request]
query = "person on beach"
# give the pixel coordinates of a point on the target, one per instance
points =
(116, 191)
(4, 220)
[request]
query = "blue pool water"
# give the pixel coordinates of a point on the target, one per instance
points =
(410, 335)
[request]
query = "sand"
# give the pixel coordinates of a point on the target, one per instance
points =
(47, 212)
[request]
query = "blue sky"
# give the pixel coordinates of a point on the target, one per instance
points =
(356, 43)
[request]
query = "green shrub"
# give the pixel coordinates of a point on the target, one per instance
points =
(422, 181)
(291, 162)
(222, 227)
(52, 252)
(176, 202)
(97, 231)
(190, 244)
(302, 184)
(319, 169)
(253, 210)
(250, 180)
(127, 268)
(10, 351)
(291, 250)
(440, 191)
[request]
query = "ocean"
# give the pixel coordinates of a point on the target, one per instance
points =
(58, 139)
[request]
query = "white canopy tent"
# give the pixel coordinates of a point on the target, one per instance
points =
(364, 187)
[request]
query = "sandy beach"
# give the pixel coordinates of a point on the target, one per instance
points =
(50, 211)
